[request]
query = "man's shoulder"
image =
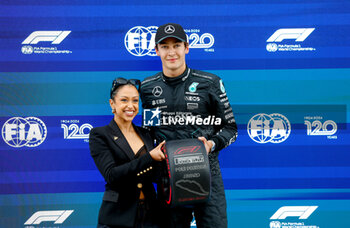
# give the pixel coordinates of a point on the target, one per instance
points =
(150, 79)
(207, 76)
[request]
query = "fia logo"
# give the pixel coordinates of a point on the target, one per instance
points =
(264, 128)
(18, 132)
(275, 224)
(139, 41)
(27, 49)
(151, 117)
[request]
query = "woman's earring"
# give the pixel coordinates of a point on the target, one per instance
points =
(113, 110)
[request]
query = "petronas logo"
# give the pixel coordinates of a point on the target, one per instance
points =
(222, 87)
(193, 87)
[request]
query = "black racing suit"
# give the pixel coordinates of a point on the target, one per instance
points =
(194, 104)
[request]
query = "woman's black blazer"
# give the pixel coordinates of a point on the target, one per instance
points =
(123, 173)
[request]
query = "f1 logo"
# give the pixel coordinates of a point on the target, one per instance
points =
(187, 149)
(58, 217)
(303, 212)
(38, 36)
(297, 34)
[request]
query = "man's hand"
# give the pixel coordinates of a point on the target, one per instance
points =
(208, 144)
(157, 154)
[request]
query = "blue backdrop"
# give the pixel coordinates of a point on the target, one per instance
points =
(284, 64)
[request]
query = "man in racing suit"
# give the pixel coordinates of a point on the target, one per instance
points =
(193, 104)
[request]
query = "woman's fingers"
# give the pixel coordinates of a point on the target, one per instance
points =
(157, 153)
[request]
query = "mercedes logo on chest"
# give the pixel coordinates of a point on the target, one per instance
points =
(157, 91)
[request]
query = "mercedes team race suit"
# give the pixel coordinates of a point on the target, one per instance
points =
(191, 105)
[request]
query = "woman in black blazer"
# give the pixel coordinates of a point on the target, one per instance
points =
(124, 155)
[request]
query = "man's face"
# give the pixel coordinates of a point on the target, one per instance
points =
(172, 54)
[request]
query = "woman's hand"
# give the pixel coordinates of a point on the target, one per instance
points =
(157, 154)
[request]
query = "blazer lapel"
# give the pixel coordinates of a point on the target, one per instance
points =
(120, 140)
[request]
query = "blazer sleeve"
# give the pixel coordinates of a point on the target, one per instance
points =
(106, 164)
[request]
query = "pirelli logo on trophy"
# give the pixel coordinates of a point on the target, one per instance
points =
(189, 160)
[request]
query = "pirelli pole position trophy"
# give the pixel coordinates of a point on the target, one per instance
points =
(187, 178)
(190, 110)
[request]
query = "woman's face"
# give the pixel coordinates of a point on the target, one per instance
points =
(125, 103)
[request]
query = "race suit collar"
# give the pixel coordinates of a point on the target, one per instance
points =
(174, 80)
